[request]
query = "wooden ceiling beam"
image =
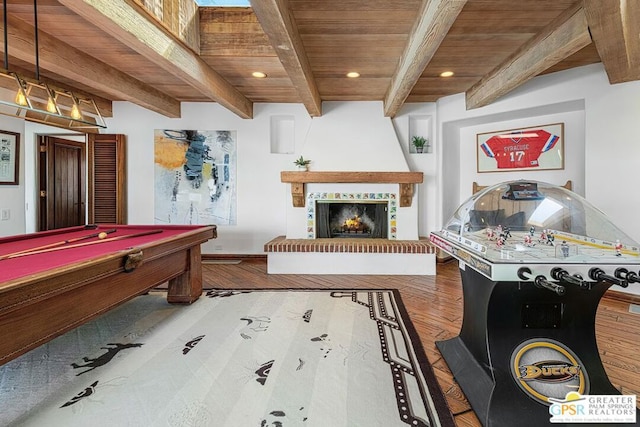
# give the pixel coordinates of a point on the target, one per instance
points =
(563, 37)
(278, 23)
(433, 23)
(615, 26)
(64, 60)
(124, 22)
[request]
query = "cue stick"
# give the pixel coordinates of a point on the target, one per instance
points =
(78, 245)
(60, 243)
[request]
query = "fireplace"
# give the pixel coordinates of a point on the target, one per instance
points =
(371, 167)
(346, 219)
(351, 215)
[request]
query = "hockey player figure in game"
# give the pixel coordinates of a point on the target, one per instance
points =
(532, 231)
(618, 248)
(507, 232)
(491, 234)
(543, 236)
(528, 241)
(550, 237)
(565, 248)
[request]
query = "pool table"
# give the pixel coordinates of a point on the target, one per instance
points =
(74, 275)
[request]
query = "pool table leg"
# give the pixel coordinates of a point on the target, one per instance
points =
(187, 287)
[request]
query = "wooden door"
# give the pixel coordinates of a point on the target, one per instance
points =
(62, 183)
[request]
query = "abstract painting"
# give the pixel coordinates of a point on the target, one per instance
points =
(195, 176)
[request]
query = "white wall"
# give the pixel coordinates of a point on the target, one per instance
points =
(602, 136)
(355, 136)
(263, 200)
(261, 196)
(12, 196)
(426, 163)
(601, 125)
(582, 98)
(460, 151)
(613, 154)
(22, 200)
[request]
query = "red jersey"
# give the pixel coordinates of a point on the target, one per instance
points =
(519, 149)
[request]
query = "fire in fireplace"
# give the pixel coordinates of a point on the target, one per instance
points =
(335, 219)
(355, 224)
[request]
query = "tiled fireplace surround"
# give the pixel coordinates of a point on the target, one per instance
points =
(389, 198)
(300, 252)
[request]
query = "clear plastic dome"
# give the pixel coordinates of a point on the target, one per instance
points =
(536, 221)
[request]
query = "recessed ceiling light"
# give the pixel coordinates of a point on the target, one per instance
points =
(259, 74)
(353, 74)
(446, 74)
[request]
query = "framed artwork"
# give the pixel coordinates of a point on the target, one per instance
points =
(195, 176)
(9, 157)
(533, 148)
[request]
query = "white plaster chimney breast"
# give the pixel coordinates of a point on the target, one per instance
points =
(353, 136)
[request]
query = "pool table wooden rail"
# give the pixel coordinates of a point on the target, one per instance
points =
(42, 306)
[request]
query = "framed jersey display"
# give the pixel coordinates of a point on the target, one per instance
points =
(533, 148)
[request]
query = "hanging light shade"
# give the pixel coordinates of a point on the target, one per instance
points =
(39, 102)
(21, 95)
(76, 113)
(52, 106)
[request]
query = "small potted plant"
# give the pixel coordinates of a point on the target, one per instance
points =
(302, 164)
(419, 142)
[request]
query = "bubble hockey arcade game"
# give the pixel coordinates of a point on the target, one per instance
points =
(535, 259)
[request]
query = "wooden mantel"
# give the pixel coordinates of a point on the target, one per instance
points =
(404, 179)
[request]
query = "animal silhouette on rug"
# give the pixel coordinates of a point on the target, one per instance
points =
(261, 325)
(263, 371)
(285, 417)
(325, 342)
(88, 391)
(188, 346)
(105, 358)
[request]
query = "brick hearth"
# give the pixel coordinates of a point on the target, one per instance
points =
(350, 256)
(351, 245)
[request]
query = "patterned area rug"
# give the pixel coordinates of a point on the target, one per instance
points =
(235, 359)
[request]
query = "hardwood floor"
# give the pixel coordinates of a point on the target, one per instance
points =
(434, 304)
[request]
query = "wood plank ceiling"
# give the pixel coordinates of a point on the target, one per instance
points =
(116, 50)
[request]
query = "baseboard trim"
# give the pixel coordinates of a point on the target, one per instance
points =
(215, 257)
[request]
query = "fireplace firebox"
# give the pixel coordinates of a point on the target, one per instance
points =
(362, 219)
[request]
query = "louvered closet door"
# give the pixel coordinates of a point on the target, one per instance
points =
(107, 179)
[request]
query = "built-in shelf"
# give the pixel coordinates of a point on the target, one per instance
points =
(282, 135)
(420, 125)
(404, 179)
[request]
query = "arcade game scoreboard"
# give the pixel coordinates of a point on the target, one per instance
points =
(535, 260)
